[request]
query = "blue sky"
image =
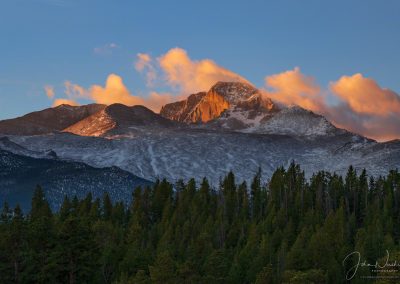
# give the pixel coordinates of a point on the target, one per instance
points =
(46, 42)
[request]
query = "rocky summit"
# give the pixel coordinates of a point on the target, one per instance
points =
(206, 106)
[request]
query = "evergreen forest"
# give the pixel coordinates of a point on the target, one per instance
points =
(287, 229)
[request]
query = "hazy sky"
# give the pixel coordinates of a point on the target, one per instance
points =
(49, 42)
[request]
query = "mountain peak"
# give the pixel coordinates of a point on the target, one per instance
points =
(233, 92)
(206, 106)
(75, 107)
(118, 108)
(67, 106)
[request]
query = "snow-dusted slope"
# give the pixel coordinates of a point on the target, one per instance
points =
(186, 153)
(292, 120)
(7, 145)
(295, 120)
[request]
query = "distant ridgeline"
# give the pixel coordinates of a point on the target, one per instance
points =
(289, 230)
(19, 176)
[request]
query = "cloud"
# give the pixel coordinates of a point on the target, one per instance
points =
(366, 108)
(115, 91)
(145, 65)
(58, 102)
(105, 49)
(142, 61)
(75, 91)
(362, 106)
(293, 87)
(191, 76)
(49, 90)
(157, 100)
(365, 96)
(381, 128)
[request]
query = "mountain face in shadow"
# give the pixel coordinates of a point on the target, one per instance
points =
(19, 176)
(48, 120)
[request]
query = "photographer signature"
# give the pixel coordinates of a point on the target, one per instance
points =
(353, 270)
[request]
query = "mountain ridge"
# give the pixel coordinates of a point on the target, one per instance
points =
(247, 131)
(117, 119)
(226, 106)
(48, 120)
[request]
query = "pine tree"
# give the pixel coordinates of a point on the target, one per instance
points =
(255, 192)
(216, 267)
(41, 237)
(6, 252)
(266, 276)
(17, 244)
(107, 207)
(163, 270)
(297, 259)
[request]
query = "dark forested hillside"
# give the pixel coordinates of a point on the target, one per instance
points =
(20, 174)
(285, 230)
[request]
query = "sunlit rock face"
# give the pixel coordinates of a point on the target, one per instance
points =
(210, 107)
(203, 107)
(182, 110)
(94, 125)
